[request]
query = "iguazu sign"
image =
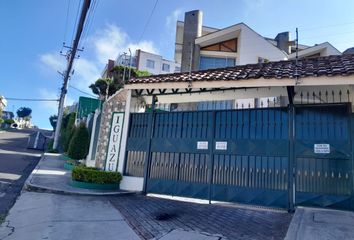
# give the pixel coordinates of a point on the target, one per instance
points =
(115, 138)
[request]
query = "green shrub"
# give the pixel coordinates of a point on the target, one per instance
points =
(80, 143)
(67, 130)
(93, 175)
(9, 121)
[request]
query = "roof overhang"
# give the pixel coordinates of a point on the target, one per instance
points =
(249, 83)
(220, 36)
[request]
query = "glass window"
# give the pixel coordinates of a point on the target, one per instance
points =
(215, 62)
(150, 63)
(165, 67)
(177, 69)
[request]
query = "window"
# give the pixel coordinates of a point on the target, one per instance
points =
(150, 63)
(177, 69)
(214, 62)
(165, 67)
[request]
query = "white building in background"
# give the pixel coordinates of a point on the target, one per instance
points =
(150, 62)
(235, 45)
(3, 103)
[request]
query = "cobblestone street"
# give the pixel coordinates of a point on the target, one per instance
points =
(153, 217)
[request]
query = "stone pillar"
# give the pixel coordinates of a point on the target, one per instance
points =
(192, 29)
(123, 143)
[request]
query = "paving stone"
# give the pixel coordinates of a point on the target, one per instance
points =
(229, 221)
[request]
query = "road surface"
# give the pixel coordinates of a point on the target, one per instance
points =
(16, 163)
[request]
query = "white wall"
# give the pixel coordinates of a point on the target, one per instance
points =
(251, 46)
(144, 56)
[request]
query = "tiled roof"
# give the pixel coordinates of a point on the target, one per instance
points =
(341, 65)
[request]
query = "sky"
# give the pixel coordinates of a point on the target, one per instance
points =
(33, 32)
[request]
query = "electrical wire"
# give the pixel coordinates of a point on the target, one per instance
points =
(79, 90)
(66, 20)
(32, 99)
(77, 16)
(148, 21)
(89, 22)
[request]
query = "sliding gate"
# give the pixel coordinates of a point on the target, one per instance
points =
(226, 155)
(247, 155)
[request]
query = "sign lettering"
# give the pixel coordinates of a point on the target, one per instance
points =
(115, 137)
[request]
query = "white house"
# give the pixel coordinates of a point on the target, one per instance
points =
(199, 48)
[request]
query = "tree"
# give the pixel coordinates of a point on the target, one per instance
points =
(117, 82)
(24, 112)
(67, 130)
(53, 121)
(80, 142)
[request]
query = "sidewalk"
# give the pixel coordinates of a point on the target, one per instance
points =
(64, 217)
(312, 224)
(51, 177)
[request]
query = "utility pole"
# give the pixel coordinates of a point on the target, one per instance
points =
(71, 57)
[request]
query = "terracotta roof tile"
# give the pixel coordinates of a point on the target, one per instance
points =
(313, 67)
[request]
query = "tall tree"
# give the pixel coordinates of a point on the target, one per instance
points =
(103, 86)
(24, 112)
(53, 121)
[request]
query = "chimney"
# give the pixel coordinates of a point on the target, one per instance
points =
(283, 42)
(110, 67)
(192, 29)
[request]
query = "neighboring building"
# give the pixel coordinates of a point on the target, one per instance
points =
(349, 51)
(85, 107)
(143, 61)
(7, 115)
(3, 103)
(155, 64)
(198, 47)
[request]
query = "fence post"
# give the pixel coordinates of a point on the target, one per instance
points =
(211, 153)
(148, 150)
(291, 170)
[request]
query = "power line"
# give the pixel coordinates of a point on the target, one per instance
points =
(148, 21)
(90, 20)
(32, 99)
(323, 26)
(77, 15)
(79, 90)
(66, 20)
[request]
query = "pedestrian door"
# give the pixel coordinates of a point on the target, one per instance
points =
(323, 154)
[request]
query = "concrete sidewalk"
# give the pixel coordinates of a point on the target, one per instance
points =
(321, 224)
(64, 217)
(51, 177)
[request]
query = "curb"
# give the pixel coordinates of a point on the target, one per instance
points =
(30, 187)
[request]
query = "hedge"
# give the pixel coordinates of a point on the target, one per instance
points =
(80, 143)
(93, 175)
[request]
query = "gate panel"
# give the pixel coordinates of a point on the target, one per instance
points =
(137, 143)
(177, 166)
(254, 167)
(323, 179)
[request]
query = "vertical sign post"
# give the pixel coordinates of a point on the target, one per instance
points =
(115, 137)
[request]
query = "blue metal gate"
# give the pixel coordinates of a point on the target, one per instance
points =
(248, 156)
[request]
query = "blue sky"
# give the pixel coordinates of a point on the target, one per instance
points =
(32, 33)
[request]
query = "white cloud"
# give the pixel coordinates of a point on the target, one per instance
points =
(112, 41)
(54, 61)
(254, 3)
(52, 106)
(105, 44)
(86, 72)
(172, 18)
